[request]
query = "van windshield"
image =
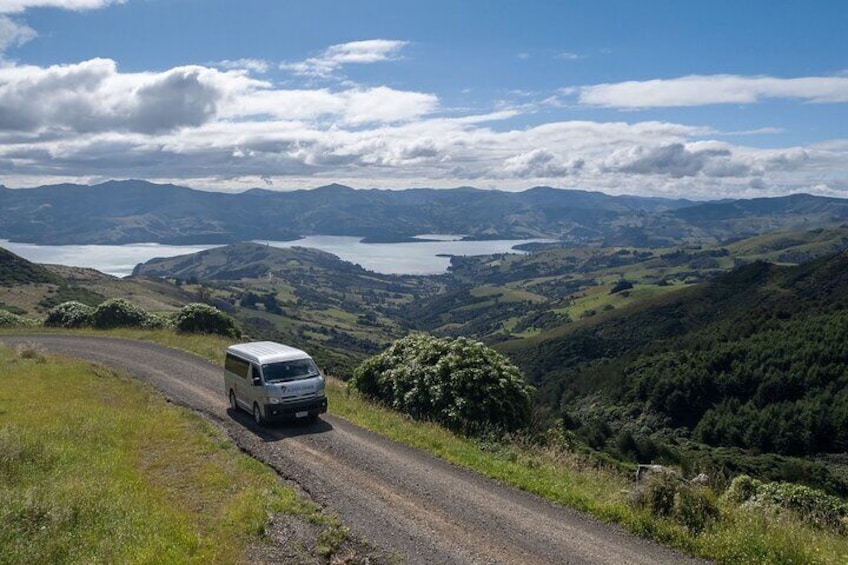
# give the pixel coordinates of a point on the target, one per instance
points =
(289, 370)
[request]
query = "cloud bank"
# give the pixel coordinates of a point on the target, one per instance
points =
(700, 90)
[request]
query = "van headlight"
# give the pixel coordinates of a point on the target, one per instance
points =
(273, 400)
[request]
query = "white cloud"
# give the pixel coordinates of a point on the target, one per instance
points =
(355, 52)
(252, 65)
(93, 96)
(18, 6)
(700, 90)
(567, 56)
(14, 33)
(354, 106)
(384, 104)
(539, 163)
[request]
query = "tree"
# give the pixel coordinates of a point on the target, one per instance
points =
(461, 384)
(621, 285)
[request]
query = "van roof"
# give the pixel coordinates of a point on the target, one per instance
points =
(263, 352)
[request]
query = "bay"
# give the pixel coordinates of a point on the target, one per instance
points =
(426, 257)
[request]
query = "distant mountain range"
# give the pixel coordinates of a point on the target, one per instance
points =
(132, 211)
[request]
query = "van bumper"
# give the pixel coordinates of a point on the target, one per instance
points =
(295, 410)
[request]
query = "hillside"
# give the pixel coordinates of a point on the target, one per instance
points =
(15, 270)
(118, 212)
(31, 289)
(751, 360)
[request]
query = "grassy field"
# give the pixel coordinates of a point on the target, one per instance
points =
(95, 467)
(740, 535)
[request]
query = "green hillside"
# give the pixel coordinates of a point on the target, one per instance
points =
(753, 360)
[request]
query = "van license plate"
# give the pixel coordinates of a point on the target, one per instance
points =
(301, 414)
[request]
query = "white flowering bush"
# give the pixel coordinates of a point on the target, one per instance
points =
(461, 384)
(120, 313)
(71, 314)
(203, 318)
(9, 320)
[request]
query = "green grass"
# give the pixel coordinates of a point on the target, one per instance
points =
(596, 299)
(95, 467)
(506, 294)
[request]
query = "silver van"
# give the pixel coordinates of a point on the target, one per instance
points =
(273, 381)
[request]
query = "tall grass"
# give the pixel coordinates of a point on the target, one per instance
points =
(99, 468)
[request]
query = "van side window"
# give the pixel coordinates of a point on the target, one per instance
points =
(236, 366)
(254, 372)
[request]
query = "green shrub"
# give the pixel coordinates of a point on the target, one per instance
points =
(742, 489)
(9, 320)
(203, 318)
(695, 507)
(71, 314)
(460, 384)
(660, 492)
(120, 313)
(667, 495)
(811, 505)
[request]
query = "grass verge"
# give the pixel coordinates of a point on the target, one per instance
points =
(95, 467)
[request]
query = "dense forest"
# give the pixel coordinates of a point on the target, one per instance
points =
(782, 390)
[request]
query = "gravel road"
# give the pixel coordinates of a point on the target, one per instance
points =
(405, 502)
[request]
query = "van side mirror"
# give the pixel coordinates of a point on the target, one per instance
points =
(254, 372)
(256, 381)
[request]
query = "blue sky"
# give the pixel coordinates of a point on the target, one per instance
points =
(674, 98)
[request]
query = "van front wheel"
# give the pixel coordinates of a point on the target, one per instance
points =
(257, 414)
(233, 403)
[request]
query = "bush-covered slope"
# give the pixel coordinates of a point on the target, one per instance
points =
(754, 359)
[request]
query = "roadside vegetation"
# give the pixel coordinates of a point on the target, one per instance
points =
(705, 520)
(95, 467)
(766, 522)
